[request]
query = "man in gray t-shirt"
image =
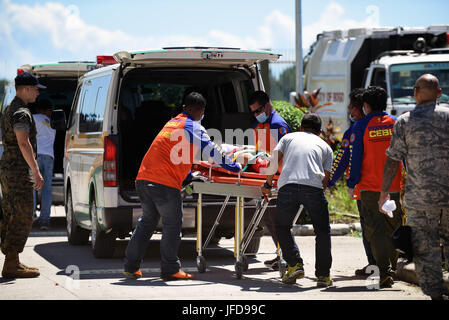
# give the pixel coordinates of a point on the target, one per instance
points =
(421, 138)
(307, 163)
(306, 158)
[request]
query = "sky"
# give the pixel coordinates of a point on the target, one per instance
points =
(39, 31)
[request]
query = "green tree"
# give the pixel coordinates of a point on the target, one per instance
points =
(3, 83)
(281, 88)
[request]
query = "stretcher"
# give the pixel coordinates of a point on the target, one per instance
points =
(244, 185)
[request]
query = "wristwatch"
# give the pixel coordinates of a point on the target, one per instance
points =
(267, 186)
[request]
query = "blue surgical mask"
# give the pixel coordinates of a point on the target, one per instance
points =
(262, 117)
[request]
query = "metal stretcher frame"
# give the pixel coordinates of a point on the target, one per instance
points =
(242, 238)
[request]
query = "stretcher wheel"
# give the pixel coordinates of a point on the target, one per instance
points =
(282, 267)
(239, 269)
(201, 264)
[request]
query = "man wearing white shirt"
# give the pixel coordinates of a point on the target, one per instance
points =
(306, 166)
(45, 159)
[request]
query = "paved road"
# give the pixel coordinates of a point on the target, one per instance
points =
(60, 264)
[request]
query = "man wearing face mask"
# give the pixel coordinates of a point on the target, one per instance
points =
(164, 167)
(369, 140)
(341, 164)
(270, 127)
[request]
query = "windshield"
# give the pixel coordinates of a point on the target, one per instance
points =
(404, 76)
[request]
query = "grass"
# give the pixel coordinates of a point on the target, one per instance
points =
(341, 207)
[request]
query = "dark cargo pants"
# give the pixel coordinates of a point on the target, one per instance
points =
(378, 229)
(17, 205)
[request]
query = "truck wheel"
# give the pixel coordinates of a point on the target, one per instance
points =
(75, 234)
(103, 244)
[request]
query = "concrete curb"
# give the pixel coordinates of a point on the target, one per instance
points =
(406, 272)
(307, 230)
(337, 229)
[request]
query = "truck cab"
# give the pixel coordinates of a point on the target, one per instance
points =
(398, 72)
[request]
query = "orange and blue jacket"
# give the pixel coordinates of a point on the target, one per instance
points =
(340, 165)
(369, 140)
(179, 144)
(267, 142)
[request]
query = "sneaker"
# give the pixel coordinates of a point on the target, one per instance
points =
(180, 275)
(273, 264)
(386, 282)
(324, 282)
(133, 275)
(293, 273)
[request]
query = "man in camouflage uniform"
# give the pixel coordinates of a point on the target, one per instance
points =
(18, 173)
(421, 137)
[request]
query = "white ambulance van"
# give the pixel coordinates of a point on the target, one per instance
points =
(117, 112)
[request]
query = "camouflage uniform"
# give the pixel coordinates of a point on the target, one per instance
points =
(421, 138)
(16, 178)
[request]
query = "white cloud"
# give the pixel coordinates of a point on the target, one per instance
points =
(332, 18)
(52, 31)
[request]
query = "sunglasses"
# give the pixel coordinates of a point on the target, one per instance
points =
(258, 110)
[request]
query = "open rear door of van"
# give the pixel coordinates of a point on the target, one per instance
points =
(196, 56)
(69, 69)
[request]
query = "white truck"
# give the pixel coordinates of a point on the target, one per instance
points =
(392, 58)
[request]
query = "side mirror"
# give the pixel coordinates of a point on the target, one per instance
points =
(58, 120)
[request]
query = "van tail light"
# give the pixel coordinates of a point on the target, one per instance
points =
(105, 60)
(20, 71)
(447, 37)
(109, 163)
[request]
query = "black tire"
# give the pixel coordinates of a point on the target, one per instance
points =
(103, 244)
(253, 246)
(238, 269)
(76, 235)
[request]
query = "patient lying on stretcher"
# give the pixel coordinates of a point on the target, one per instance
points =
(247, 156)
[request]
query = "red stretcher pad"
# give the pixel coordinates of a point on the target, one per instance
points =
(220, 175)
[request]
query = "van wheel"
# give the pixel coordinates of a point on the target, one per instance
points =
(253, 246)
(103, 244)
(75, 234)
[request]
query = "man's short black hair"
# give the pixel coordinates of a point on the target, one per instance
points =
(376, 97)
(260, 97)
(356, 98)
(44, 105)
(311, 123)
(195, 100)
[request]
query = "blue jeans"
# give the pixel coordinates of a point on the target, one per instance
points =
(290, 198)
(158, 201)
(45, 163)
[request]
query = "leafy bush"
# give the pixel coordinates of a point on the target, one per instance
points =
(289, 113)
(339, 201)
